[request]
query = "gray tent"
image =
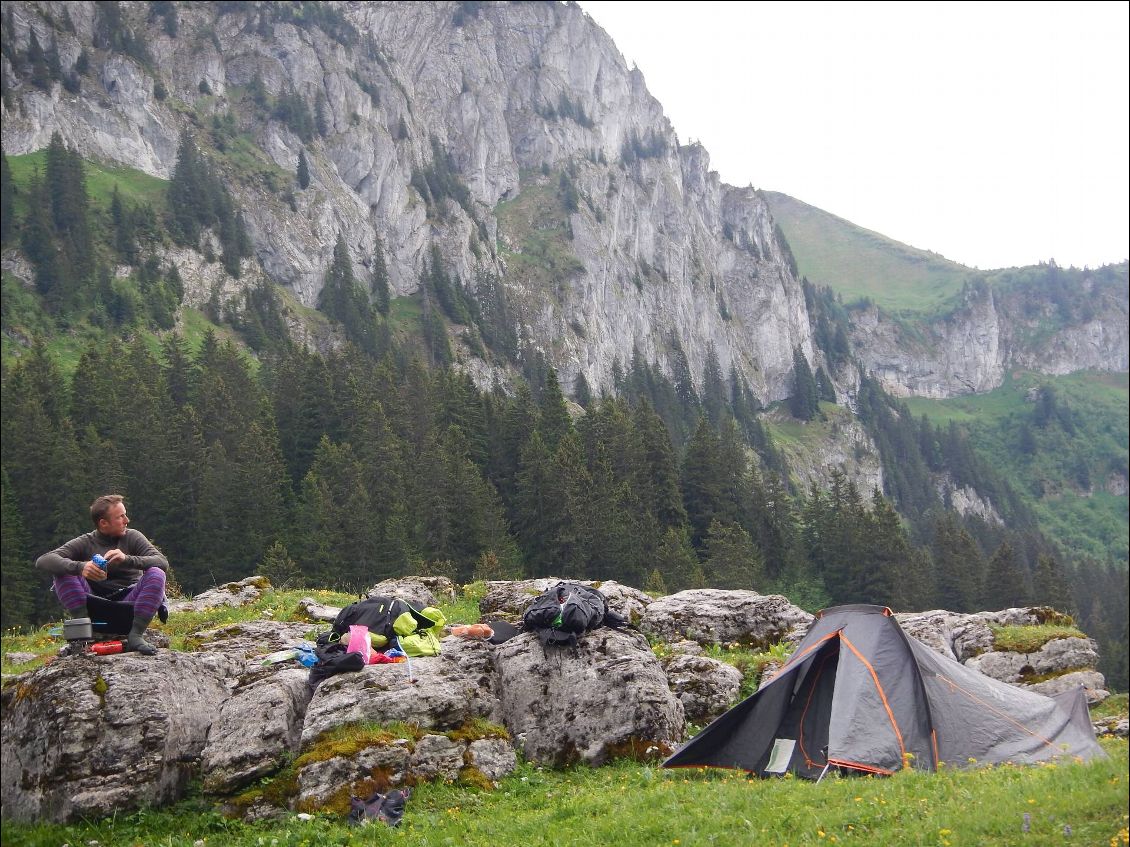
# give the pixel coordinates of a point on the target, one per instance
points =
(860, 694)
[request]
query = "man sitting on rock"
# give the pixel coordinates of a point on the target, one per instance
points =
(133, 570)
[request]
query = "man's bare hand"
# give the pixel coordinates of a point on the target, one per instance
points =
(114, 555)
(92, 571)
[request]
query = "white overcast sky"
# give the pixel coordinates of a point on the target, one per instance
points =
(992, 133)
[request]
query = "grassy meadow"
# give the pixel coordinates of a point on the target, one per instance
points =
(857, 263)
(632, 803)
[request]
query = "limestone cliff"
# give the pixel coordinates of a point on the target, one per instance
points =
(511, 100)
(995, 329)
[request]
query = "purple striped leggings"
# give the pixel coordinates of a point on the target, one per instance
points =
(147, 596)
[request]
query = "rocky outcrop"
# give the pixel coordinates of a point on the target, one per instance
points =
(257, 729)
(420, 591)
(394, 762)
(87, 736)
(714, 616)
(706, 687)
(993, 330)
(561, 708)
(233, 594)
(442, 692)
(1058, 665)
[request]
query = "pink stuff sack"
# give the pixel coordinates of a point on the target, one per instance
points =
(359, 641)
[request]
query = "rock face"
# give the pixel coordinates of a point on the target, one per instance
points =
(705, 686)
(561, 705)
(443, 692)
(90, 735)
(710, 615)
(524, 105)
(259, 725)
(1058, 665)
(994, 330)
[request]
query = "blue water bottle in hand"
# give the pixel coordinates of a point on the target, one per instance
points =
(99, 560)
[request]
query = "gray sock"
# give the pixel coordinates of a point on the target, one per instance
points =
(136, 641)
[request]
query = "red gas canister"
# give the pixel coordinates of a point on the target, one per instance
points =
(105, 648)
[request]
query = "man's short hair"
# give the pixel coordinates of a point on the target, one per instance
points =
(101, 506)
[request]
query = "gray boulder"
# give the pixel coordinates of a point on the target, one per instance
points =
(509, 600)
(237, 650)
(1063, 663)
(963, 636)
(706, 687)
(420, 591)
(1092, 682)
(494, 758)
(317, 611)
(606, 697)
(710, 616)
(319, 781)
(392, 762)
(229, 594)
(1119, 727)
(437, 757)
(443, 692)
(257, 729)
(88, 736)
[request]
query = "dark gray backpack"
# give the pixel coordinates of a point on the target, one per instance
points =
(563, 613)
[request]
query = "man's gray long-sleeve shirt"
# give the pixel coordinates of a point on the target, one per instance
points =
(72, 556)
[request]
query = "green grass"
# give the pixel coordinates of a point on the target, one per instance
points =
(858, 263)
(134, 187)
(1029, 639)
(628, 805)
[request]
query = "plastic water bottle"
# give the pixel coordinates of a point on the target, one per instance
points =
(99, 560)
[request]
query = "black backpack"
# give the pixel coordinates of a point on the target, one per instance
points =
(378, 614)
(562, 613)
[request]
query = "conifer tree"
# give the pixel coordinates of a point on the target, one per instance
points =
(656, 476)
(1004, 580)
(702, 482)
(732, 560)
(677, 563)
(804, 400)
(824, 389)
(958, 566)
(303, 173)
(378, 286)
(16, 577)
(1050, 584)
(554, 422)
(582, 394)
(713, 388)
(655, 586)
(7, 201)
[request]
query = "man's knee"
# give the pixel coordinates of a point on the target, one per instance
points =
(152, 576)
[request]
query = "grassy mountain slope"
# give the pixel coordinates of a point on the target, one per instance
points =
(858, 263)
(1066, 457)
